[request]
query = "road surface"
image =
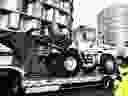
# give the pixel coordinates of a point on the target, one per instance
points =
(79, 92)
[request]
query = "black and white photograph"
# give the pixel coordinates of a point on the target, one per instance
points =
(64, 47)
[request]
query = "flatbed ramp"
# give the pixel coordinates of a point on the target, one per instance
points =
(39, 86)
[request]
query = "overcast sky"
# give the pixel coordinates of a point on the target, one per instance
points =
(85, 11)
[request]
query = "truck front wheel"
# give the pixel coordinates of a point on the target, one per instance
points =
(64, 64)
(108, 63)
(71, 62)
(71, 66)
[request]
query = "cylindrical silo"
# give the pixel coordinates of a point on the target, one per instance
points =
(113, 23)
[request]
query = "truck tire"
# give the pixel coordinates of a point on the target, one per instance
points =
(51, 63)
(120, 60)
(71, 62)
(126, 59)
(108, 63)
(56, 64)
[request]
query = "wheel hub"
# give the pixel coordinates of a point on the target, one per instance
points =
(70, 64)
(109, 64)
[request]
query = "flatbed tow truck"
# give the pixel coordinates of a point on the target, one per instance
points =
(82, 36)
(52, 84)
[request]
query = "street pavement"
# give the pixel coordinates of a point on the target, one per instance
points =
(79, 92)
(90, 91)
